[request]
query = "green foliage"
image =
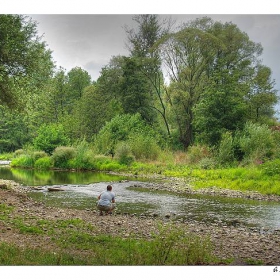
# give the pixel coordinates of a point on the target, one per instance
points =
(43, 163)
(123, 153)
(256, 142)
(6, 156)
(225, 154)
(105, 163)
(168, 246)
(144, 146)
(271, 168)
(62, 155)
(25, 161)
(19, 152)
(23, 58)
(49, 137)
(207, 163)
(83, 156)
(197, 152)
(121, 128)
(39, 154)
(13, 255)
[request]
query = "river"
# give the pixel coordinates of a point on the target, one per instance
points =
(82, 188)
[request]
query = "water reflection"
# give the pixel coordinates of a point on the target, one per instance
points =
(82, 189)
(30, 177)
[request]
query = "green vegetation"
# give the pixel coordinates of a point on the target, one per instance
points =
(214, 122)
(71, 238)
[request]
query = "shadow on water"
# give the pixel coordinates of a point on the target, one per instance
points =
(82, 188)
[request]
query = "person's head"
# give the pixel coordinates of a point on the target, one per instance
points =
(109, 188)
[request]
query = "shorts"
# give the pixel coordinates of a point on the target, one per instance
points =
(106, 208)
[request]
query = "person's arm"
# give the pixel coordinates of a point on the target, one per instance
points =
(113, 200)
(99, 197)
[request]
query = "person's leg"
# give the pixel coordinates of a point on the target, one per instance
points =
(112, 207)
(100, 209)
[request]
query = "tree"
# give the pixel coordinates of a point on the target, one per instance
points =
(187, 55)
(90, 113)
(78, 79)
(142, 45)
(23, 58)
(134, 94)
(211, 67)
(262, 96)
(49, 137)
(232, 85)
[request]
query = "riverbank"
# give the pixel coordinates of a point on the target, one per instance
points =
(233, 245)
(181, 185)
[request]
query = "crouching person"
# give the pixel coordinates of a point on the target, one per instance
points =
(106, 201)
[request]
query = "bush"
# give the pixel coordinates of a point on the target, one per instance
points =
(144, 146)
(256, 142)
(62, 155)
(225, 152)
(43, 163)
(49, 137)
(25, 161)
(123, 154)
(83, 156)
(271, 168)
(197, 152)
(207, 163)
(39, 154)
(19, 152)
(120, 129)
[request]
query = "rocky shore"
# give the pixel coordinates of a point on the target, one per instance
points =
(241, 245)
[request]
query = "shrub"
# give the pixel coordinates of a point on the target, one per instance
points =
(256, 142)
(123, 154)
(43, 163)
(271, 168)
(144, 146)
(25, 161)
(120, 129)
(39, 154)
(207, 163)
(19, 152)
(225, 154)
(83, 156)
(197, 152)
(62, 155)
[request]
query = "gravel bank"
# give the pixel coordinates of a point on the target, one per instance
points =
(236, 242)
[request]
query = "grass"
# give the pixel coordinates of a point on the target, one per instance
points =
(77, 242)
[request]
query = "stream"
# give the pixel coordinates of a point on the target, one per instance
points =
(82, 188)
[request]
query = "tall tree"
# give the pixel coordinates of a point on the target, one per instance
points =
(78, 80)
(187, 55)
(210, 66)
(262, 96)
(142, 45)
(232, 81)
(23, 58)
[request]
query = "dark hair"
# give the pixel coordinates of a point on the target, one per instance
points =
(109, 188)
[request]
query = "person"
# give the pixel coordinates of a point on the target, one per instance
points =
(106, 201)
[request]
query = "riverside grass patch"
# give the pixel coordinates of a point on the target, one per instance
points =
(243, 179)
(73, 238)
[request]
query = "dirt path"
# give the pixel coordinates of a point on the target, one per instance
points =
(240, 243)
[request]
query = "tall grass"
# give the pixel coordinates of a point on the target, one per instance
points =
(165, 249)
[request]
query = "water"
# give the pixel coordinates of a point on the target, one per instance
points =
(82, 188)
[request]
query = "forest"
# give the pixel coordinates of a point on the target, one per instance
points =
(194, 95)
